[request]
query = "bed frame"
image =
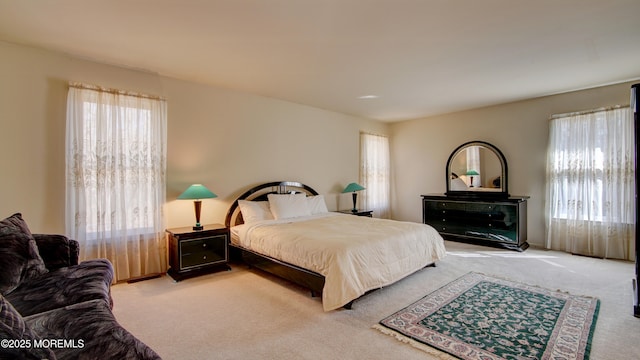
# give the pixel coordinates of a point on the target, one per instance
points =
(303, 277)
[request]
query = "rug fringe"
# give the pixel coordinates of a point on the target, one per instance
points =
(416, 344)
(532, 285)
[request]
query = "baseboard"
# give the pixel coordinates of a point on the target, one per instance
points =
(143, 277)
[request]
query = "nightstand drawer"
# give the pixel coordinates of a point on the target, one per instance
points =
(197, 252)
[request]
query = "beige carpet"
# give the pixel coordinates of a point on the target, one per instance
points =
(244, 313)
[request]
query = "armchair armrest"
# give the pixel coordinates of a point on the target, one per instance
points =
(57, 250)
(74, 252)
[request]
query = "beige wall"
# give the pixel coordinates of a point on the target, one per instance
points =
(420, 148)
(224, 139)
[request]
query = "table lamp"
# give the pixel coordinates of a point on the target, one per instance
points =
(196, 192)
(352, 188)
(471, 173)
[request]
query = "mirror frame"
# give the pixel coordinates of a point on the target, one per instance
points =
(504, 193)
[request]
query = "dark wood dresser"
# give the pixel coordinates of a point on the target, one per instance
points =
(501, 222)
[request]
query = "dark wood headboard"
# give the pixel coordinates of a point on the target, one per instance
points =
(260, 192)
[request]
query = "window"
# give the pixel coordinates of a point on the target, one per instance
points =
(135, 141)
(375, 173)
(590, 183)
(473, 164)
(116, 163)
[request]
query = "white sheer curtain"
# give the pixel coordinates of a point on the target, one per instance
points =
(590, 184)
(115, 170)
(375, 173)
(473, 163)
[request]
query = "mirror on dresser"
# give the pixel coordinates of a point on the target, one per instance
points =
(477, 206)
(477, 169)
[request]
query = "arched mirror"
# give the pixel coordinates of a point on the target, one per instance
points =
(477, 169)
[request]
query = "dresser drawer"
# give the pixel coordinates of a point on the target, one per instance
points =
(436, 212)
(448, 205)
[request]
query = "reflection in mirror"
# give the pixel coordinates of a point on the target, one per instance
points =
(477, 168)
(474, 167)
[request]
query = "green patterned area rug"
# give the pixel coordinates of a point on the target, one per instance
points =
(481, 317)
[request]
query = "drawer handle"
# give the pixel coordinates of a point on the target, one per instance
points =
(204, 245)
(204, 257)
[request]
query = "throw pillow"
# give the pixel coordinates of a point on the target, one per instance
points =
(19, 256)
(18, 335)
(317, 205)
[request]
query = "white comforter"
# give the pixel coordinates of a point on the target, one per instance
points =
(355, 254)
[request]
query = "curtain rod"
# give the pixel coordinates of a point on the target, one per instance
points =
(370, 133)
(585, 112)
(79, 85)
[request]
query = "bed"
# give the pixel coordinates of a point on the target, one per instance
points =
(284, 228)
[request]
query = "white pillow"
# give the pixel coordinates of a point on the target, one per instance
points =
(253, 211)
(288, 206)
(317, 205)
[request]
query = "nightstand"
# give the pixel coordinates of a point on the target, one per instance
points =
(367, 213)
(197, 252)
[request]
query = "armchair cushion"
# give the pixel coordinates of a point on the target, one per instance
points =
(19, 256)
(94, 330)
(88, 280)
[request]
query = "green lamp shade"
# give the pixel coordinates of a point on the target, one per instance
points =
(197, 191)
(353, 187)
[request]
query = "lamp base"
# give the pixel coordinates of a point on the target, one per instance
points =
(197, 204)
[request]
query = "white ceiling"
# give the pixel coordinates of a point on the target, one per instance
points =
(420, 58)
